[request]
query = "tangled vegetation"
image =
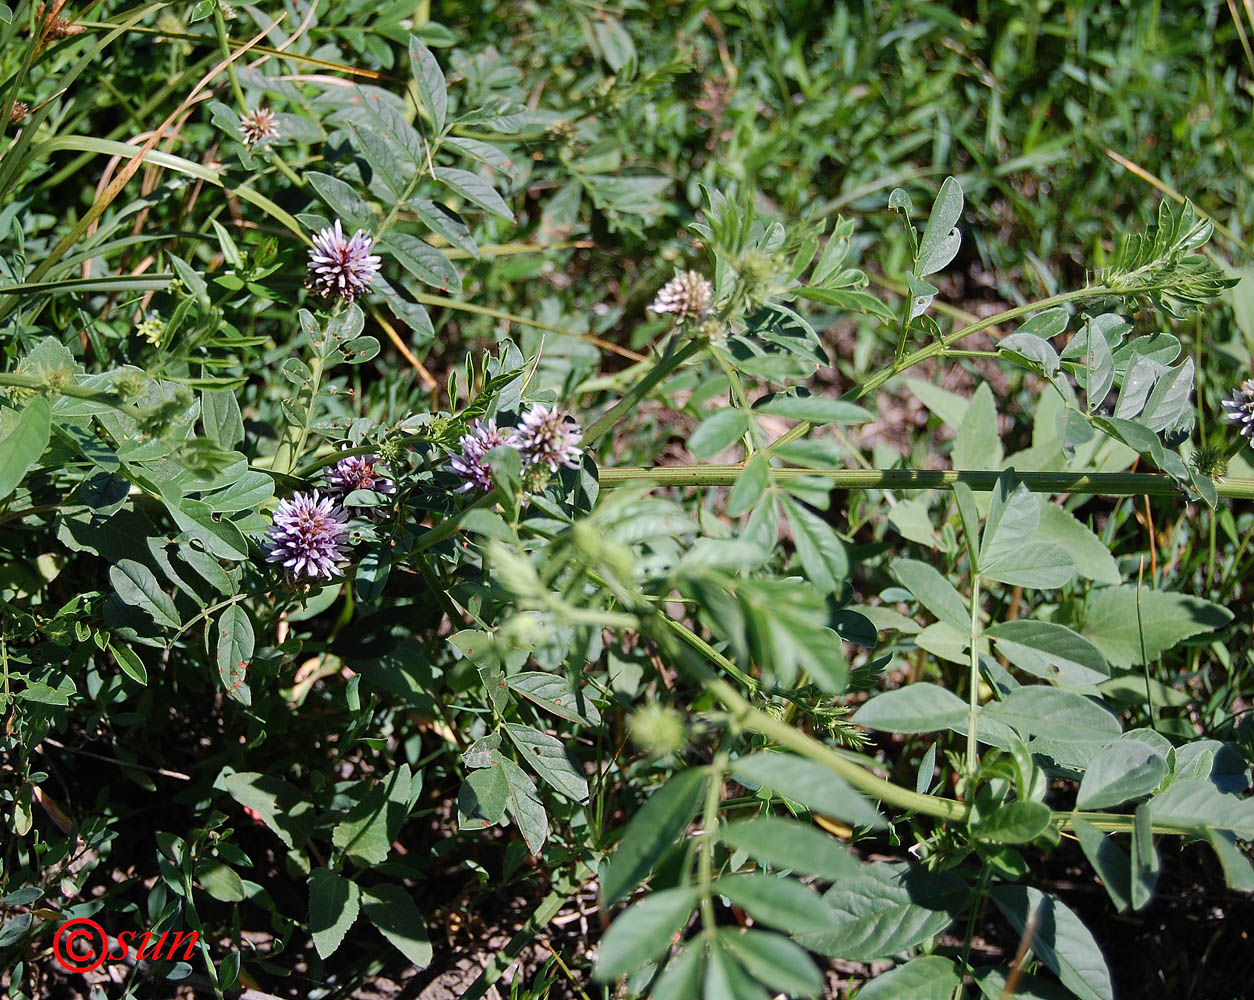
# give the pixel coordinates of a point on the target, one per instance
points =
(649, 499)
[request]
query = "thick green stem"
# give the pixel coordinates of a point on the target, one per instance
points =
(709, 837)
(973, 701)
(746, 716)
(938, 347)
(220, 26)
(1114, 484)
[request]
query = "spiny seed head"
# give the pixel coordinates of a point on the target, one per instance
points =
(18, 113)
(471, 465)
(258, 126)
(1211, 462)
(657, 730)
(306, 536)
(1239, 408)
(548, 437)
(687, 296)
(339, 267)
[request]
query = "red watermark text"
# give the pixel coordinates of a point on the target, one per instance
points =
(81, 945)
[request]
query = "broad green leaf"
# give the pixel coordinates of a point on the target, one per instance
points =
(1091, 557)
(726, 979)
(977, 444)
(366, 833)
(941, 239)
(333, 906)
(915, 708)
(933, 591)
(1170, 404)
(949, 406)
(1199, 805)
(1123, 771)
(24, 443)
(809, 783)
(928, 978)
(776, 901)
(129, 661)
(887, 908)
(718, 432)
(1051, 651)
(1127, 634)
(1059, 939)
(750, 485)
(248, 492)
(1037, 565)
(481, 800)
(235, 650)
(788, 843)
(774, 961)
(1061, 716)
(945, 641)
(554, 693)
(821, 552)
(1031, 348)
(1145, 864)
(1238, 871)
(911, 519)
(921, 294)
(391, 909)
(548, 757)
(138, 588)
(524, 805)
(352, 212)
(476, 190)
(423, 261)
(221, 537)
(1013, 823)
(816, 409)
(658, 824)
(222, 882)
(220, 413)
(681, 980)
(969, 516)
(1109, 861)
(280, 805)
(994, 984)
(643, 931)
(1013, 516)
(430, 81)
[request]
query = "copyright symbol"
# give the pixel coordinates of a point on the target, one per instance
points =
(86, 956)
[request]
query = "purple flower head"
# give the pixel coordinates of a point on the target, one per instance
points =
(358, 472)
(686, 296)
(471, 464)
(258, 126)
(1240, 408)
(548, 437)
(341, 268)
(306, 536)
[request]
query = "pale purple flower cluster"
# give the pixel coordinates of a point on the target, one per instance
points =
(258, 126)
(1240, 408)
(341, 268)
(687, 296)
(472, 463)
(358, 472)
(306, 536)
(545, 438)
